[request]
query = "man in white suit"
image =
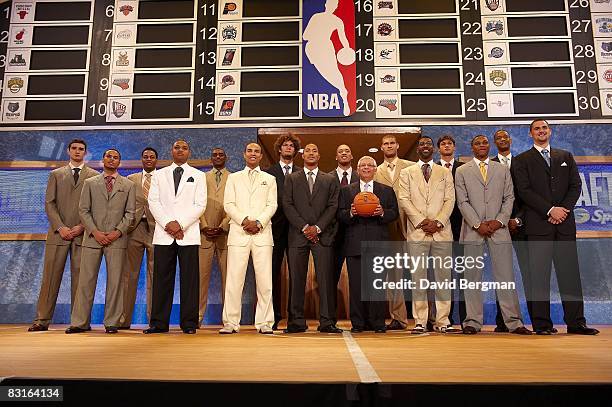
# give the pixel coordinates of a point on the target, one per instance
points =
(427, 196)
(250, 201)
(177, 199)
(485, 198)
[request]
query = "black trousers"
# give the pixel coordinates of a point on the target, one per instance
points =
(278, 253)
(457, 251)
(364, 314)
(164, 272)
(521, 248)
(324, 267)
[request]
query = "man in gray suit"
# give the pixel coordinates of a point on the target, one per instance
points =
(106, 209)
(65, 232)
(140, 238)
(485, 197)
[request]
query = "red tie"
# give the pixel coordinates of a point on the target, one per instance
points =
(344, 179)
(109, 183)
(447, 165)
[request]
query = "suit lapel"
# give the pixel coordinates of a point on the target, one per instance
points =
(384, 171)
(476, 172)
(538, 157)
(116, 186)
(100, 186)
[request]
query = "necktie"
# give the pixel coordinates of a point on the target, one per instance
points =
(426, 172)
(546, 156)
(178, 173)
(344, 179)
(109, 183)
(447, 165)
(366, 187)
(218, 177)
(310, 181)
(146, 185)
(390, 167)
(287, 168)
(483, 171)
(76, 175)
(252, 175)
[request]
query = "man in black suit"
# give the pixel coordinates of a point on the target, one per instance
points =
(503, 141)
(446, 146)
(310, 201)
(287, 146)
(374, 228)
(548, 183)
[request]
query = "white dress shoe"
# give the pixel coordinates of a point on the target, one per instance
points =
(227, 329)
(266, 330)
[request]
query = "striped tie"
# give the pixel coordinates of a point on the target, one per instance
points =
(146, 186)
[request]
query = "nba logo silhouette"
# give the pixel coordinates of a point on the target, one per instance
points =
(329, 86)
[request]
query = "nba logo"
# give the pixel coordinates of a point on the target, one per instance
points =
(329, 71)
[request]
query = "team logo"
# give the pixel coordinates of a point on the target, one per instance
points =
(390, 104)
(17, 60)
(126, 9)
(385, 4)
(492, 4)
(498, 77)
(119, 109)
(122, 59)
(608, 75)
(384, 29)
(19, 37)
(123, 83)
(229, 33)
(606, 46)
(230, 8)
(385, 53)
(581, 215)
(12, 111)
(609, 101)
(496, 52)
(496, 26)
(228, 58)
(23, 9)
(499, 103)
(387, 79)
(227, 80)
(13, 107)
(604, 25)
(124, 35)
(15, 84)
(602, 1)
(227, 107)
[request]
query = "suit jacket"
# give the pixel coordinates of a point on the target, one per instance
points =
(479, 200)
(142, 205)
(186, 206)
(541, 187)
(279, 220)
(340, 229)
(359, 228)
(517, 207)
(353, 177)
(62, 202)
(455, 219)
(214, 216)
(104, 212)
(256, 202)
(397, 230)
(303, 208)
(422, 200)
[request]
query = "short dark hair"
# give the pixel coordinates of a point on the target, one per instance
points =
(111, 149)
(500, 131)
(149, 149)
(536, 120)
(297, 144)
(475, 137)
(422, 137)
(183, 140)
(77, 141)
(445, 137)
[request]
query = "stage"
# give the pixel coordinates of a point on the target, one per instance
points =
(322, 363)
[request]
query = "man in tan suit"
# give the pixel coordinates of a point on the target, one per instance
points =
(214, 225)
(427, 197)
(140, 238)
(106, 209)
(65, 231)
(388, 173)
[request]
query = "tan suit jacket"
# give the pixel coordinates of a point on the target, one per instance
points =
(142, 205)
(62, 202)
(397, 229)
(214, 216)
(421, 200)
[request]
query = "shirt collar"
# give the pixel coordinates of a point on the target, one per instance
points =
(340, 171)
(477, 161)
(502, 157)
(72, 167)
(420, 163)
(144, 173)
(115, 175)
(542, 148)
(443, 162)
(247, 169)
(174, 165)
(362, 185)
(394, 162)
(314, 172)
(282, 165)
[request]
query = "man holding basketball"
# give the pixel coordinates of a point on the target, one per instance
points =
(372, 226)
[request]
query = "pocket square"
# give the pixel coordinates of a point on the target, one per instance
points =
(190, 179)
(564, 164)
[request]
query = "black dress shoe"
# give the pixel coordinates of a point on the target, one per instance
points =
(330, 329)
(154, 330)
(501, 328)
(294, 330)
(38, 328)
(189, 331)
(429, 326)
(380, 330)
(469, 330)
(553, 330)
(543, 332)
(356, 330)
(521, 330)
(396, 325)
(582, 330)
(111, 329)
(75, 330)
(275, 326)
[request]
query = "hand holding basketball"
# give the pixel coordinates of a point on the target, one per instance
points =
(346, 56)
(366, 204)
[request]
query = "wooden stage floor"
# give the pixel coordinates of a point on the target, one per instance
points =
(394, 358)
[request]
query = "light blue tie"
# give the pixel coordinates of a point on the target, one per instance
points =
(546, 156)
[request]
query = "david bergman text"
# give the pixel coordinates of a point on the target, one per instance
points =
(407, 284)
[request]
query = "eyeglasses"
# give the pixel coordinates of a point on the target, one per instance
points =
(367, 165)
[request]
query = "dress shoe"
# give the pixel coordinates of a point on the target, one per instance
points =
(452, 330)
(395, 325)
(521, 330)
(189, 331)
(37, 328)
(356, 330)
(380, 330)
(266, 330)
(275, 326)
(154, 330)
(418, 329)
(123, 328)
(227, 330)
(75, 330)
(469, 330)
(553, 330)
(501, 328)
(111, 329)
(331, 329)
(294, 330)
(543, 332)
(582, 330)
(429, 326)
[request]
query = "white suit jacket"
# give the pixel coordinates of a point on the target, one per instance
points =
(186, 206)
(257, 202)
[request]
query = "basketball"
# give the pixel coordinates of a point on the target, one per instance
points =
(346, 56)
(365, 203)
